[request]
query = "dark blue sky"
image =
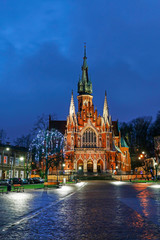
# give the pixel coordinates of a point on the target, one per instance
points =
(41, 51)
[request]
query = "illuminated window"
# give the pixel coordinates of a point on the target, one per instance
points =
(17, 161)
(16, 173)
(89, 138)
(5, 159)
(11, 160)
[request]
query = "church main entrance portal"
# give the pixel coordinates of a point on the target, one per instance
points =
(90, 166)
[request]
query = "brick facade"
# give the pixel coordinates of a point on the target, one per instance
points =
(93, 143)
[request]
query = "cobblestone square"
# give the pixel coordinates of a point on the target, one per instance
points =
(90, 210)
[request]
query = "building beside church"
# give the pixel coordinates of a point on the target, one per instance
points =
(13, 161)
(93, 143)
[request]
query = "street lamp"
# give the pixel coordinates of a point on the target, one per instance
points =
(21, 159)
(63, 165)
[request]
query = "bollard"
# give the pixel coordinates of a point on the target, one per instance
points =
(64, 181)
(9, 187)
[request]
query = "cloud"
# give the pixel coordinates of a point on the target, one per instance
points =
(41, 52)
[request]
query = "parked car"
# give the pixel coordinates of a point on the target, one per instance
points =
(15, 181)
(30, 180)
(38, 180)
(25, 181)
(4, 182)
(42, 180)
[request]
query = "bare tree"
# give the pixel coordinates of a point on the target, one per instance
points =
(136, 133)
(41, 123)
(23, 141)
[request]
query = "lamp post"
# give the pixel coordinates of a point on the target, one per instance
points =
(156, 166)
(21, 159)
(63, 165)
(117, 169)
(26, 165)
(80, 168)
(6, 149)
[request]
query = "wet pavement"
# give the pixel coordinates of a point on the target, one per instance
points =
(94, 210)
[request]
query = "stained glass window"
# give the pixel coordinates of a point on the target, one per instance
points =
(89, 138)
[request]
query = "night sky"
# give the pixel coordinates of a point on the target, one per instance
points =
(41, 53)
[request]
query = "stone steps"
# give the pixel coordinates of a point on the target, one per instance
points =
(93, 177)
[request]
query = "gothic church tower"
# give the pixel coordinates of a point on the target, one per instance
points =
(93, 143)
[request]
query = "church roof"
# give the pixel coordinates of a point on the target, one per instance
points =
(123, 143)
(59, 125)
(118, 149)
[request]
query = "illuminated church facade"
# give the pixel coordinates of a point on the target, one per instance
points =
(93, 143)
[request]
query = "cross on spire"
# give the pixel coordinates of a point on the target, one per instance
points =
(85, 50)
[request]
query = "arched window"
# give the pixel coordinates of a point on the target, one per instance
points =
(89, 138)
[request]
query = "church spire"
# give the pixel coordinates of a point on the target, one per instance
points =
(84, 84)
(105, 109)
(72, 107)
(85, 66)
(85, 50)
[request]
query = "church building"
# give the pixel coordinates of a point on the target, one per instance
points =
(93, 143)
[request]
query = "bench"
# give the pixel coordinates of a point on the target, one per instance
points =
(51, 184)
(18, 187)
(2, 189)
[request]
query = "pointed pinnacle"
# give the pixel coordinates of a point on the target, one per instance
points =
(72, 107)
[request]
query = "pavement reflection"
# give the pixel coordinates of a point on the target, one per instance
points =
(96, 210)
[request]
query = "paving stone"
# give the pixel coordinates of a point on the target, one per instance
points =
(99, 210)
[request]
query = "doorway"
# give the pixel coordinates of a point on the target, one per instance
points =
(90, 166)
(100, 166)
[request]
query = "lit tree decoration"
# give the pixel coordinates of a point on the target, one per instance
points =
(46, 145)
